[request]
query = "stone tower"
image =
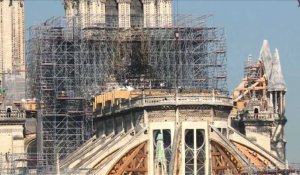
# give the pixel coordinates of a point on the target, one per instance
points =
(12, 36)
(121, 13)
(260, 100)
(12, 77)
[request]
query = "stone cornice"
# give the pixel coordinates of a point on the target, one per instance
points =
(124, 1)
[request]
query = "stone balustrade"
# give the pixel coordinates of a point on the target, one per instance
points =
(165, 100)
(13, 115)
(263, 116)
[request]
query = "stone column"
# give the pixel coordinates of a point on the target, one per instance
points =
(168, 13)
(82, 13)
(281, 103)
(69, 12)
(6, 41)
(102, 12)
(160, 13)
(149, 13)
(124, 13)
(146, 119)
(92, 6)
(104, 127)
(195, 151)
(270, 105)
(17, 36)
(131, 120)
(115, 127)
(21, 38)
(1, 39)
(164, 13)
(276, 102)
(212, 114)
(177, 119)
(97, 12)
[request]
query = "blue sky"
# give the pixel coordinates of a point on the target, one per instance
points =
(247, 23)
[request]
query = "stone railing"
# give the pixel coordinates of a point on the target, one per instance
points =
(13, 115)
(264, 116)
(165, 100)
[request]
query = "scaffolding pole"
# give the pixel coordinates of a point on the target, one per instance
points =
(68, 64)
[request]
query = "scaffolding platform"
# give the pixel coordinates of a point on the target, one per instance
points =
(70, 64)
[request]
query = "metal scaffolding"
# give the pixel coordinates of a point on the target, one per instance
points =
(67, 65)
(63, 115)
